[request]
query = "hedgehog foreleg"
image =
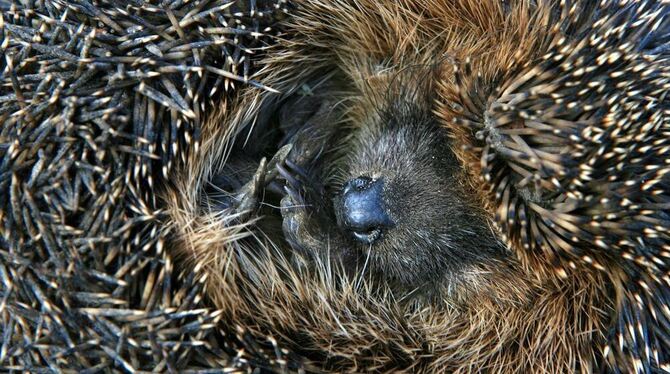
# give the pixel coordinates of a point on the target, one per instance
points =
(306, 209)
(247, 198)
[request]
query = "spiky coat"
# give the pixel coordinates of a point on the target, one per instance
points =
(99, 100)
(560, 108)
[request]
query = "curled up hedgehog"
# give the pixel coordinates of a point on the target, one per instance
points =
(423, 186)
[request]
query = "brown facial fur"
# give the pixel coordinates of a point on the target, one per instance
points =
(517, 314)
(437, 242)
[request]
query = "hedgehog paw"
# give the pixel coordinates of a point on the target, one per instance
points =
(299, 208)
(247, 198)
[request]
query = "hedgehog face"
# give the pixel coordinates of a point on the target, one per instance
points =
(402, 203)
(396, 210)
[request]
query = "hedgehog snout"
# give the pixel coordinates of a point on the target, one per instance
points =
(362, 210)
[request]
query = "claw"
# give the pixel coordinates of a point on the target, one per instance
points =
(308, 180)
(298, 201)
(247, 198)
(297, 169)
(279, 158)
(275, 187)
(292, 181)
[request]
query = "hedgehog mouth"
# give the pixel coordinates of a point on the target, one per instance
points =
(368, 237)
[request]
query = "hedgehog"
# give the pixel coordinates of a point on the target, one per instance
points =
(432, 186)
(453, 187)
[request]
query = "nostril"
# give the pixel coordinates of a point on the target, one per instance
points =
(363, 209)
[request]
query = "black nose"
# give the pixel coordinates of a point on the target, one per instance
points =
(363, 212)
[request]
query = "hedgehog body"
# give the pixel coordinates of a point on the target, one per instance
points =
(556, 111)
(546, 104)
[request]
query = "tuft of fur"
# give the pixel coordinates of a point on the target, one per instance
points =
(558, 110)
